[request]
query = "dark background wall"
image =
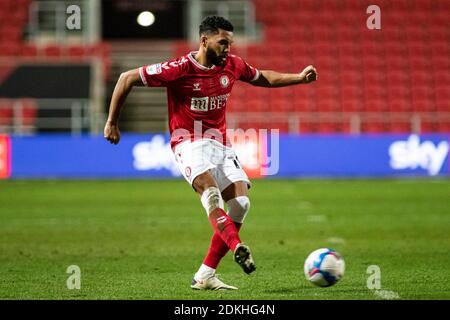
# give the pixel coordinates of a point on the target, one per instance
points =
(47, 81)
(119, 19)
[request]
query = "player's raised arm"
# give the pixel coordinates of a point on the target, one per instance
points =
(273, 79)
(123, 87)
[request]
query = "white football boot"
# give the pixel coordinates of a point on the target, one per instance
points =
(211, 283)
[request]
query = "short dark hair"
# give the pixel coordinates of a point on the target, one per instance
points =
(211, 24)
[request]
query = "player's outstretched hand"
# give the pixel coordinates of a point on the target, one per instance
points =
(112, 133)
(309, 74)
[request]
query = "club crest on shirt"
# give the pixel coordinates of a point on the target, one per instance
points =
(224, 81)
(154, 69)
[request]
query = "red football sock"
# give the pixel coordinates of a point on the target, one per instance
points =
(224, 226)
(217, 249)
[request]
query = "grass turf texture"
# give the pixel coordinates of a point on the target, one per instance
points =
(146, 239)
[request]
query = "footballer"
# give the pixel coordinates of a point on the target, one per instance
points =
(198, 86)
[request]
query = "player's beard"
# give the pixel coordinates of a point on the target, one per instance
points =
(214, 58)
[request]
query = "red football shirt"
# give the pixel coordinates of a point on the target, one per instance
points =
(197, 95)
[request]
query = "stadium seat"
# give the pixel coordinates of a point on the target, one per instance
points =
(444, 127)
(329, 105)
(11, 33)
(256, 105)
(400, 127)
(376, 105)
(375, 88)
(28, 50)
(52, 51)
(359, 71)
(373, 127)
(328, 127)
(428, 127)
(352, 104)
(9, 49)
(76, 51)
(422, 92)
(423, 105)
(6, 112)
(29, 110)
(400, 105)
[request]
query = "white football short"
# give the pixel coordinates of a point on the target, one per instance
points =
(196, 157)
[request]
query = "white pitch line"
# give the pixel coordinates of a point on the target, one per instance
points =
(386, 294)
(316, 218)
(336, 240)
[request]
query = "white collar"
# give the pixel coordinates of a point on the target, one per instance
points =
(191, 57)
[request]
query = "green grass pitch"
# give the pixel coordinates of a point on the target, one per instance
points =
(146, 239)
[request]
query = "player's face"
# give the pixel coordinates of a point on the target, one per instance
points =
(218, 47)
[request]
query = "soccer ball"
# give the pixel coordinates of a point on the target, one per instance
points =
(324, 267)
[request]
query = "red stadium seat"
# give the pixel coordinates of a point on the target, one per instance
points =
(52, 51)
(428, 127)
(444, 127)
(351, 104)
(6, 112)
(281, 105)
(304, 105)
(11, 33)
(29, 50)
(376, 105)
(9, 49)
(425, 105)
(400, 127)
(77, 51)
(422, 92)
(328, 127)
(400, 105)
(375, 88)
(28, 111)
(308, 127)
(329, 105)
(397, 70)
(373, 127)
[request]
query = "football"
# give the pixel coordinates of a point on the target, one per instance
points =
(324, 267)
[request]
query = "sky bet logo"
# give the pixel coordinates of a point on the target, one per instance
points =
(209, 103)
(412, 154)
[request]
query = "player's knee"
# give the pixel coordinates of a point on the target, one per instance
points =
(238, 208)
(211, 199)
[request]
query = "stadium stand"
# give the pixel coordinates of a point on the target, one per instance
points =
(14, 49)
(394, 79)
(401, 71)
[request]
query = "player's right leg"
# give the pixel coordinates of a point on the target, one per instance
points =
(212, 201)
(224, 229)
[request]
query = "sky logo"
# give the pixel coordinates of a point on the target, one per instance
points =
(155, 155)
(413, 154)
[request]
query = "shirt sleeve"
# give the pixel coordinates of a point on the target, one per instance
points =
(161, 74)
(248, 73)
